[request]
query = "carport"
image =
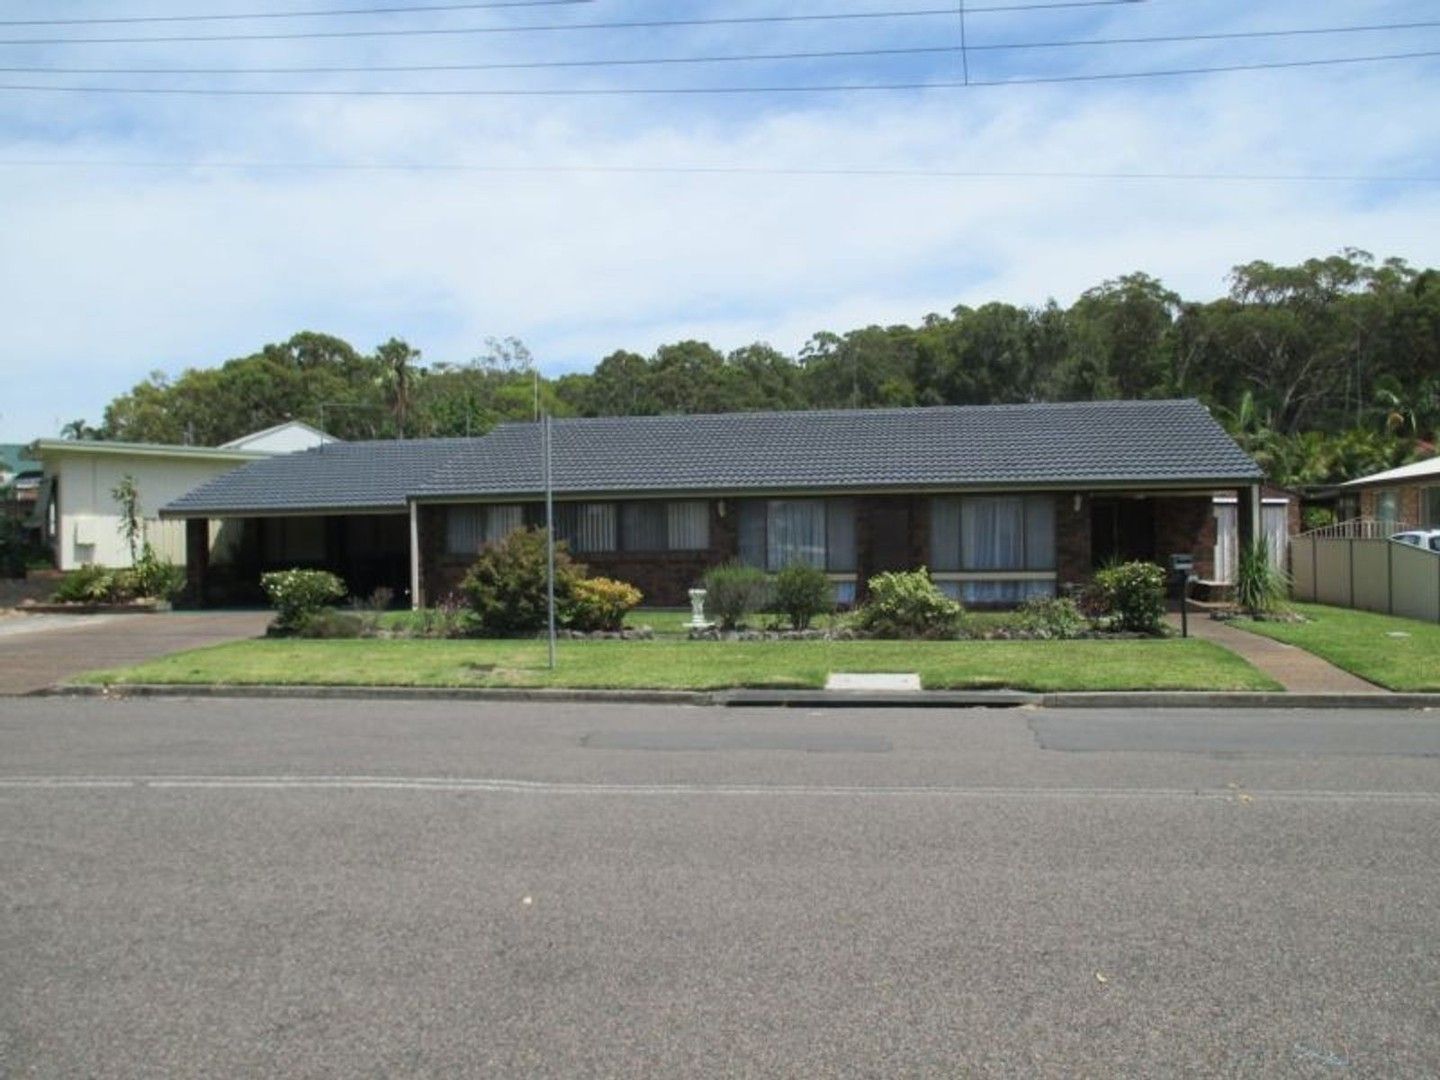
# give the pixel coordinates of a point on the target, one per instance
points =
(340, 507)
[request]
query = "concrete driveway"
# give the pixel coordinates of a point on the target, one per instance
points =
(37, 651)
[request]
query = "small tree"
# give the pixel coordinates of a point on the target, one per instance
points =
(506, 587)
(802, 592)
(132, 525)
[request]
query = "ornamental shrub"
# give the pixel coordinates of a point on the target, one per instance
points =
(908, 604)
(506, 587)
(1051, 617)
(1260, 586)
(297, 595)
(733, 591)
(802, 592)
(157, 577)
(92, 584)
(600, 604)
(1133, 595)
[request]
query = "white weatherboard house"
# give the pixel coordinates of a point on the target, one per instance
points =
(82, 517)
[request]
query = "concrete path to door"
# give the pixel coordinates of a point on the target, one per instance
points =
(1295, 669)
(38, 651)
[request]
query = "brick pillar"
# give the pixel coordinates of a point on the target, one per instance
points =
(1072, 538)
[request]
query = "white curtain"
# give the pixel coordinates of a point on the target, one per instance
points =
(992, 532)
(1003, 592)
(796, 533)
(1227, 538)
(689, 525)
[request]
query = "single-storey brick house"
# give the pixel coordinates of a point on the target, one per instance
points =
(1000, 502)
(1407, 497)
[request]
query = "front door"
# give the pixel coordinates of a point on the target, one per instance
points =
(890, 536)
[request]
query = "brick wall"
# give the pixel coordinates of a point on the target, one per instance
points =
(664, 577)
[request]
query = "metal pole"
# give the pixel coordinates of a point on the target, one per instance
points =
(549, 545)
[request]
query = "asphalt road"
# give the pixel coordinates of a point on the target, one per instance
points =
(234, 888)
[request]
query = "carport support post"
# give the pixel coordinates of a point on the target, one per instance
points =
(1247, 516)
(417, 600)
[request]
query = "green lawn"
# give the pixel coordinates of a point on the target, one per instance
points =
(1360, 642)
(669, 664)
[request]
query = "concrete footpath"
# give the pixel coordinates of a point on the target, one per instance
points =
(1298, 671)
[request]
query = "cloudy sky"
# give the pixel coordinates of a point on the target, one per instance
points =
(144, 232)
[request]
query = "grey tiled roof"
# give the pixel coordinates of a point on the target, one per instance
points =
(1113, 442)
(337, 476)
(1091, 442)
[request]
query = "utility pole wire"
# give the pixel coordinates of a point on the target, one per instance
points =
(659, 91)
(823, 54)
(964, 52)
(311, 14)
(645, 24)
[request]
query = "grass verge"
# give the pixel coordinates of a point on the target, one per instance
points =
(1361, 643)
(685, 665)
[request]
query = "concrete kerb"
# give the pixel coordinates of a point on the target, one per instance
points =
(811, 699)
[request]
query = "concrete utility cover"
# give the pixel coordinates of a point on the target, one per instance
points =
(898, 683)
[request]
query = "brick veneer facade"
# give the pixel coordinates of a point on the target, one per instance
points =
(1181, 524)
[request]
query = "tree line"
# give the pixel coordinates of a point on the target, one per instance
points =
(1323, 370)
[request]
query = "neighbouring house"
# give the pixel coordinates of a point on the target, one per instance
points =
(1407, 497)
(20, 480)
(1000, 502)
(81, 517)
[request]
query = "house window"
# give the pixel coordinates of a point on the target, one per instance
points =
(993, 549)
(665, 526)
(588, 528)
(774, 533)
(1432, 507)
(470, 528)
(1387, 506)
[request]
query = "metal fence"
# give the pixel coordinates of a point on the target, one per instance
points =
(1367, 571)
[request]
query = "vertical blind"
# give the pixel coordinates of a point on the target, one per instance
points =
(469, 528)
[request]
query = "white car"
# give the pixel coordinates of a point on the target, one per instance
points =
(1421, 538)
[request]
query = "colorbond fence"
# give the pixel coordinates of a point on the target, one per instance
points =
(1368, 573)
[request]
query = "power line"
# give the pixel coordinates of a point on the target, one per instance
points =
(646, 24)
(311, 14)
(964, 52)
(517, 65)
(725, 170)
(628, 91)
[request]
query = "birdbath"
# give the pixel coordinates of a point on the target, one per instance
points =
(697, 611)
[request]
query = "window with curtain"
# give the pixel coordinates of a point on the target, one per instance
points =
(987, 533)
(775, 533)
(795, 533)
(665, 526)
(1432, 507)
(469, 528)
(586, 527)
(1387, 506)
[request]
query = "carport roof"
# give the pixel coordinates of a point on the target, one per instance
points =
(336, 477)
(1113, 443)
